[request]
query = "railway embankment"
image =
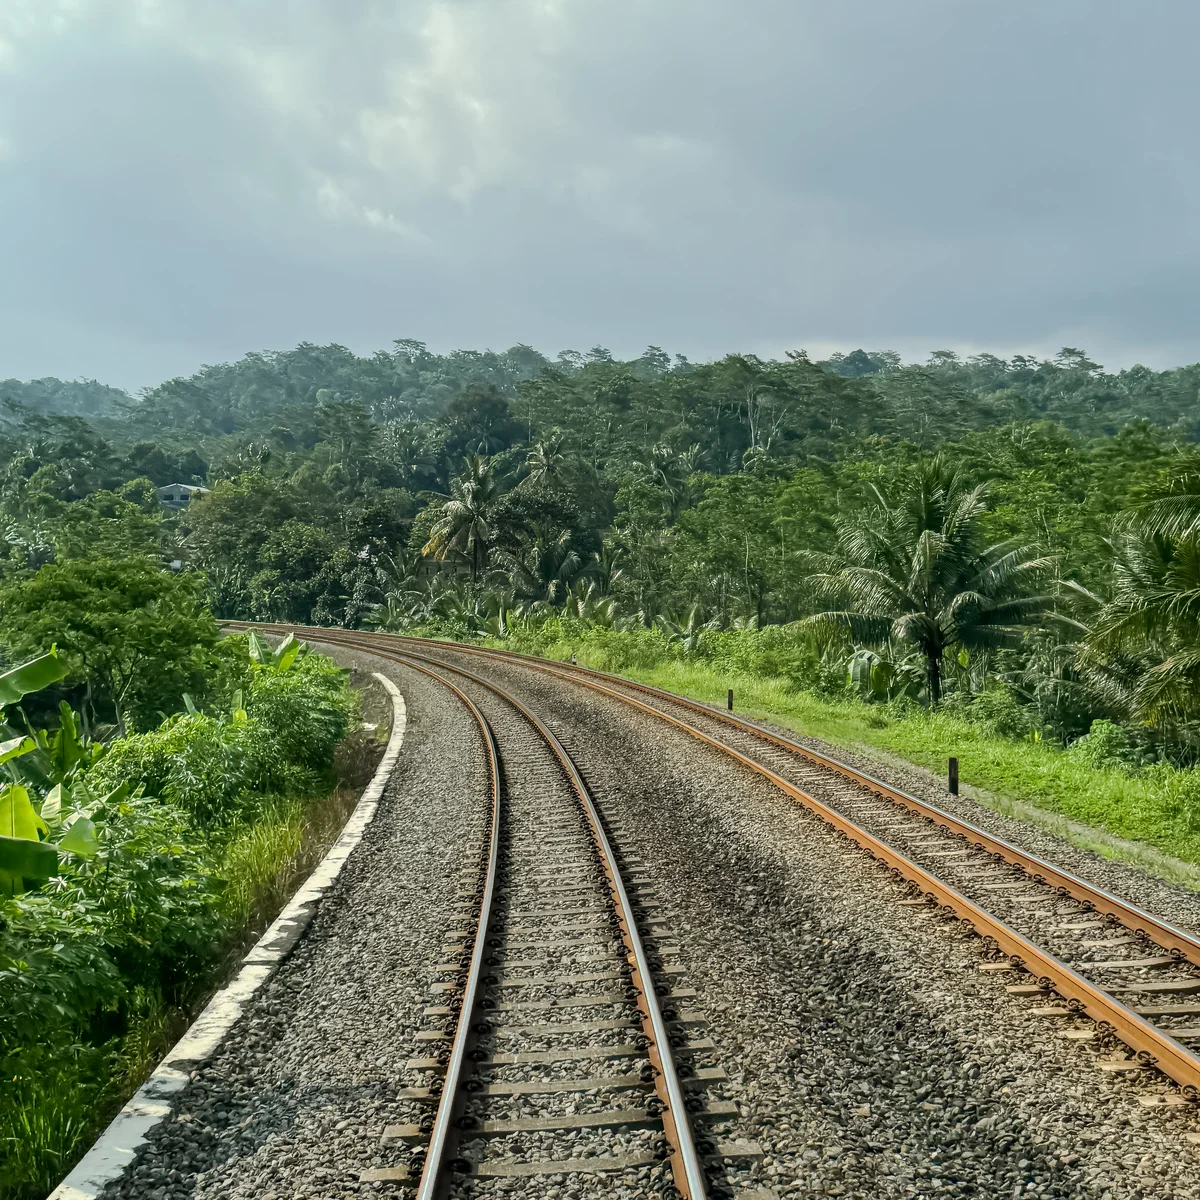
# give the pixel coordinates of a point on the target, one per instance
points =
(865, 992)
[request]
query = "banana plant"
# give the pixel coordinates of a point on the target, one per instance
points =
(879, 678)
(281, 657)
(25, 858)
(68, 811)
(32, 676)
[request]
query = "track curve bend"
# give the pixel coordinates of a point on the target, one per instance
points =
(1084, 951)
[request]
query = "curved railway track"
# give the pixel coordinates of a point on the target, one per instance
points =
(555, 920)
(1081, 951)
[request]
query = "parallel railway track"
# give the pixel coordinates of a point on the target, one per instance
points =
(1081, 950)
(558, 927)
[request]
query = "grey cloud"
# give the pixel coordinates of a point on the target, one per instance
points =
(184, 182)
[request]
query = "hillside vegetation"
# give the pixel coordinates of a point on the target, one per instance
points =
(994, 558)
(1015, 541)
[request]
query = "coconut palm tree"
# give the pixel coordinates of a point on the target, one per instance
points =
(408, 446)
(1143, 645)
(668, 472)
(585, 602)
(688, 630)
(545, 462)
(912, 569)
(464, 524)
(605, 567)
(402, 600)
(544, 567)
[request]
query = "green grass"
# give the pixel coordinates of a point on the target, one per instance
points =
(1150, 816)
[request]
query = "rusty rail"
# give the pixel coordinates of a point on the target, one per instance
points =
(1152, 1045)
(686, 1167)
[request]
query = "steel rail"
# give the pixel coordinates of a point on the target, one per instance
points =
(1171, 937)
(1156, 1047)
(1153, 1046)
(686, 1167)
(444, 1133)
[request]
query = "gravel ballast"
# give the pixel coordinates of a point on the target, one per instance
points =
(295, 1101)
(867, 1053)
(875, 1058)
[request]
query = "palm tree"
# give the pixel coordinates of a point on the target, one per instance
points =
(545, 566)
(688, 630)
(402, 597)
(605, 567)
(1175, 513)
(463, 524)
(1143, 646)
(911, 569)
(669, 472)
(407, 446)
(585, 602)
(545, 462)
(458, 602)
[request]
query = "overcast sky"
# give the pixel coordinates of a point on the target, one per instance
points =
(185, 180)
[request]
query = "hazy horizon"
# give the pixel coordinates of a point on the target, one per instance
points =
(182, 183)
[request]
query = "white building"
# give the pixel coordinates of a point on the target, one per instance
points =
(179, 495)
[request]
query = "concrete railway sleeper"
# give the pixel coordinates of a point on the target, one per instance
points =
(559, 1031)
(1083, 951)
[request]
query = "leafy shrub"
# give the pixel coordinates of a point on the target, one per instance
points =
(218, 770)
(779, 651)
(191, 760)
(55, 972)
(150, 888)
(136, 915)
(1001, 712)
(305, 710)
(1105, 745)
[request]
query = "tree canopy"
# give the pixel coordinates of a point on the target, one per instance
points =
(1048, 554)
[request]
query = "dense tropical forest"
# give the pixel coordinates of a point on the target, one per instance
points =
(999, 558)
(1021, 531)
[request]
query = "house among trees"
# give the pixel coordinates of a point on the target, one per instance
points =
(179, 495)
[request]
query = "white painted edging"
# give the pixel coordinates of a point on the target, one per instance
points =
(116, 1147)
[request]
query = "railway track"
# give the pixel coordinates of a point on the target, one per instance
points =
(1103, 968)
(560, 1032)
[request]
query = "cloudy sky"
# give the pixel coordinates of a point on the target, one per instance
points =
(184, 180)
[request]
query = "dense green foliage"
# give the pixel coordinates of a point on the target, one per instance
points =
(136, 637)
(952, 528)
(998, 556)
(147, 831)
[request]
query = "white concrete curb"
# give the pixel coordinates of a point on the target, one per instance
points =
(116, 1147)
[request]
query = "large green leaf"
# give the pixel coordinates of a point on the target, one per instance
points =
(57, 799)
(260, 649)
(18, 817)
(288, 651)
(32, 676)
(81, 838)
(65, 749)
(23, 861)
(15, 747)
(118, 795)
